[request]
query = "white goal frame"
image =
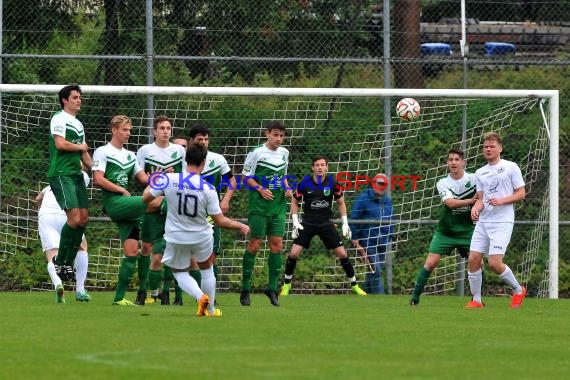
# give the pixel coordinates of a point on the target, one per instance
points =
(551, 95)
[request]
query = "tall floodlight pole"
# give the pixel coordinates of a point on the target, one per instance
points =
(460, 278)
(387, 124)
(149, 69)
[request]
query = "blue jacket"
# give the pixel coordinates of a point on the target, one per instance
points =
(367, 206)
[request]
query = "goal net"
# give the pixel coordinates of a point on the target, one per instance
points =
(349, 127)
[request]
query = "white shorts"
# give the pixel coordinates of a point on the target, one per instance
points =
(177, 256)
(49, 228)
(491, 238)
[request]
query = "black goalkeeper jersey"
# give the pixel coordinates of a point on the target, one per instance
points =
(317, 199)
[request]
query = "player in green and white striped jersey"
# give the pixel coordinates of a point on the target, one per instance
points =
(455, 228)
(160, 156)
(265, 171)
(113, 167)
(67, 148)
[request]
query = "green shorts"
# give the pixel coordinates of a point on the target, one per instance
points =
(153, 227)
(444, 245)
(128, 213)
(70, 191)
(262, 226)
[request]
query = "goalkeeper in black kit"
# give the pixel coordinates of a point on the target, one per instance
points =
(317, 193)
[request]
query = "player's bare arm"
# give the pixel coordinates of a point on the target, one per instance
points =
(226, 222)
(518, 195)
(477, 207)
(288, 191)
(103, 183)
(142, 177)
(62, 144)
(86, 159)
(39, 198)
(265, 193)
(225, 202)
(453, 203)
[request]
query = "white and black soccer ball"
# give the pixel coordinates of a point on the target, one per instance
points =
(408, 109)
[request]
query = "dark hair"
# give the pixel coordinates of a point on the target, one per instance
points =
(196, 154)
(160, 119)
(275, 124)
(178, 137)
(199, 129)
(459, 152)
(320, 157)
(66, 91)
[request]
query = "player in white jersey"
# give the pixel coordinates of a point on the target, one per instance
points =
(191, 199)
(51, 219)
(499, 185)
(217, 172)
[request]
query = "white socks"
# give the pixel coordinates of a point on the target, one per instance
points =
(54, 277)
(510, 279)
(188, 284)
(209, 286)
(475, 281)
(81, 263)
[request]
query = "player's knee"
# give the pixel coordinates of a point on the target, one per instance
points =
(146, 249)
(276, 246)
(253, 246)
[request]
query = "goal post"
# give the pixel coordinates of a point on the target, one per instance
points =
(346, 124)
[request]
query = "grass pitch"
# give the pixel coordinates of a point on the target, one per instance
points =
(307, 337)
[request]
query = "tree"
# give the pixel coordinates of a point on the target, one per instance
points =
(406, 42)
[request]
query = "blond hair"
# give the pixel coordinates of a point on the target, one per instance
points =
(494, 136)
(119, 120)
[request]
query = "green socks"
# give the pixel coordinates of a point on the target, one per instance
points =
(421, 281)
(143, 269)
(247, 270)
(196, 275)
(154, 277)
(275, 269)
(168, 277)
(125, 274)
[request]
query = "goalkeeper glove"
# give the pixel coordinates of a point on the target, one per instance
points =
(296, 226)
(345, 228)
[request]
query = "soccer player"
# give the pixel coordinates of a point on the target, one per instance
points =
(265, 169)
(499, 185)
(51, 219)
(166, 157)
(188, 233)
(216, 171)
(113, 167)
(68, 149)
(455, 227)
(317, 194)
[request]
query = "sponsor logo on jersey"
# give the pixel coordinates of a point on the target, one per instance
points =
(493, 187)
(319, 204)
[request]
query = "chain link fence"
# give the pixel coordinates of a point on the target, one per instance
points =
(298, 43)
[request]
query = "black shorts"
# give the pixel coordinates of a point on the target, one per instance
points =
(328, 234)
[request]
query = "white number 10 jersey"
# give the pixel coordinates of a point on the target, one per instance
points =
(190, 200)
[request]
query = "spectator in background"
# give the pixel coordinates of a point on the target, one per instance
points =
(371, 240)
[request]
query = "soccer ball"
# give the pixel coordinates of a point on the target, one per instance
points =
(408, 109)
